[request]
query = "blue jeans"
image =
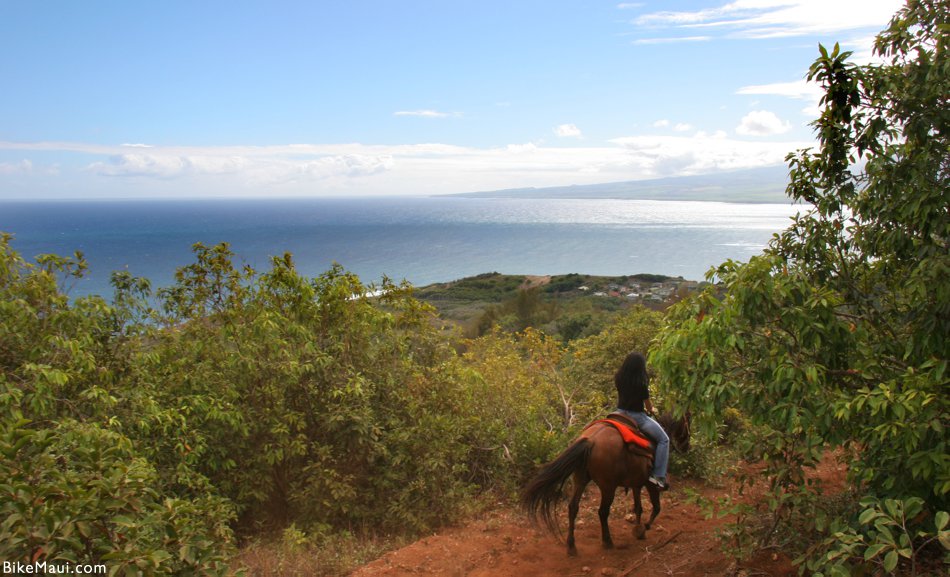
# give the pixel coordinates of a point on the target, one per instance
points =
(653, 430)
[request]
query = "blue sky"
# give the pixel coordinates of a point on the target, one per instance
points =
(106, 99)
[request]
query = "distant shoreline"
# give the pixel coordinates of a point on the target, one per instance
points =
(489, 195)
(752, 186)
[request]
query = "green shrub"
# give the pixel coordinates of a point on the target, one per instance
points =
(76, 493)
(75, 488)
(836, 336)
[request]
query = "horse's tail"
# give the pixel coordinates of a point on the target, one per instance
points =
(543, 492)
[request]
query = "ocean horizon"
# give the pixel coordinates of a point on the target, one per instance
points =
(422, 240)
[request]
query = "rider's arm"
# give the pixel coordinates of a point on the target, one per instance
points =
(648, 406)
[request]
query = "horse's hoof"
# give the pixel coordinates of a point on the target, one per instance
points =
(608, 545)
(640, 531)
(572, 551)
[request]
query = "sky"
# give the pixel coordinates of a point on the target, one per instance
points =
(281, 98)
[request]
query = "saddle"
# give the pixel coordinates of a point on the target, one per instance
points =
(635, 439)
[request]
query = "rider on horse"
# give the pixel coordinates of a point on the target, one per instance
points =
(633, 400)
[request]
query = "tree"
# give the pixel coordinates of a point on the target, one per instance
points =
(837, 335)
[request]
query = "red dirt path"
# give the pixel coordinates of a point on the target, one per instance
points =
(682, 542)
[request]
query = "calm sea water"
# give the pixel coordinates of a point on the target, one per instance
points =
(422, 240)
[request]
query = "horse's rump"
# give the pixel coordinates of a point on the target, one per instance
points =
(542, 494)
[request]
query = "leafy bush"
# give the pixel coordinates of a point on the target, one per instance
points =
(75, 488)
(148, 426)
(596, 358)
(520, 409)
(79, 494)
(886, 531)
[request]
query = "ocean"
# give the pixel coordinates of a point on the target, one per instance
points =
(420, 239)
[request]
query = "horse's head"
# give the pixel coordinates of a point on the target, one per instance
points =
(677, 429)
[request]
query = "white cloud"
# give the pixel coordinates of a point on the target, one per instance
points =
(348, 165)
(628, 5)
(167, 166)
(425, 113)
(701, 153)
(671, 40)
(22, 167)
(259, 170)
(777, 18)
(678, 127)
(863, 50)
(798, 90)
(762, 123)
(362, 169)
(567, 131)
(520, 148)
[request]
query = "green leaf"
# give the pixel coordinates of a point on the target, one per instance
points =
(940, 519)
(890, 561)
(874, 551)
(893, 508)
(159, 557)
(123, 521)
(868, 515)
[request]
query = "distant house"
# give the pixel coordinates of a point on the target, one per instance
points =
(662, 291)
(633, 296)
(583, 288)
(600, 294)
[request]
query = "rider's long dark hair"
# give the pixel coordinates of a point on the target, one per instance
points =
(631, 377)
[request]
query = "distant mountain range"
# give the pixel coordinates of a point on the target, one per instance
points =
(758, 185)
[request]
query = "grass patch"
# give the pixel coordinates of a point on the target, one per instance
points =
(298, 554)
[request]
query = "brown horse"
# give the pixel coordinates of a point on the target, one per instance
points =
(599, 454)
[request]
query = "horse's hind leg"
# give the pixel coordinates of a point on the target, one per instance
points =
(581, 479)
(606, 500)
(654, 503)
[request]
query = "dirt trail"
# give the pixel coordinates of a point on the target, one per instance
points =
(682, 542)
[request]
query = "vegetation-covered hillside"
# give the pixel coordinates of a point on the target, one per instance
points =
(148, 436)
(566, 306)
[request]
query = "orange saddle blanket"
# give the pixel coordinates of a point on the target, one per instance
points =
(628, 434)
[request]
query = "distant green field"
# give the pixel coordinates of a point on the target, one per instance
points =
(557, 304)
